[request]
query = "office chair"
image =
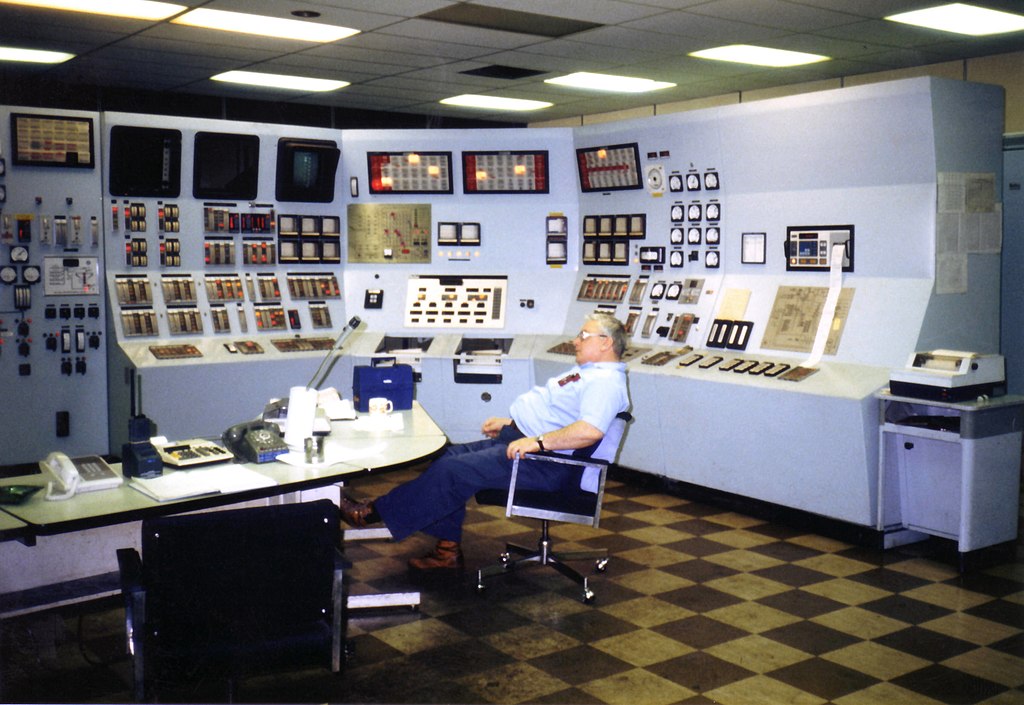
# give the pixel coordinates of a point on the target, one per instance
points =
(234, 593)
(581, 507)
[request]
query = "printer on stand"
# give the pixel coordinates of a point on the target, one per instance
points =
(950, 376)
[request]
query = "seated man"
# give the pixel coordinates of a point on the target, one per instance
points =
(570, 412)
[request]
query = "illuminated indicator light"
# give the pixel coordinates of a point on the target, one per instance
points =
(434, 170)
(602, 153)
(386, 181)
(413, 159)
(519, 169)
(481, 175)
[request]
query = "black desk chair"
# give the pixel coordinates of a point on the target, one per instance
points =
(580, 507)
(234, 593)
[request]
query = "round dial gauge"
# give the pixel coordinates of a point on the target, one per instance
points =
(675, 258)
(655, 178)
(676, 236)
(692, 182)
(674, 290)
(19, 254)
(693, 236)
(676, 213)
(675, 182)
(30, 275)
(8, 275)
(711, 180)
(712, 236)
(713, 212)
(711, 259)
(693, 212)
(658, 290)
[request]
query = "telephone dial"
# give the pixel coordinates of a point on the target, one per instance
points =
(71, 475)
(255, 441)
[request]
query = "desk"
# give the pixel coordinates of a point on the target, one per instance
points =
(950, 469)
(90, 526)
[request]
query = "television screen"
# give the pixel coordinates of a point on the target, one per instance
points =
(306, 170)
(225, 166)
(145, 161)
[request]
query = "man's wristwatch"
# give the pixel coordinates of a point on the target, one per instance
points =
(540, 443)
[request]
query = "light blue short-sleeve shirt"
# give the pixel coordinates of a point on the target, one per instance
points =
(593, 392)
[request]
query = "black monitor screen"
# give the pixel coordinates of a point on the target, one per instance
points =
(225, 166)
(145, 161)
(306, 170)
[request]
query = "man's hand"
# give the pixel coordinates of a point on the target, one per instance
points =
(492, 426)
(521, 446)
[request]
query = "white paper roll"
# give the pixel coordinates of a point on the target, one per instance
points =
(301, 414)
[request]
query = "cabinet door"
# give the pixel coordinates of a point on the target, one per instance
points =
(930, 484)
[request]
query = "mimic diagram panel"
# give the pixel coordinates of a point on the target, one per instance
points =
(53, 336)
(382, 233)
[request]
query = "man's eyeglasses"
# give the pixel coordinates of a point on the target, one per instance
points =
(584, 334)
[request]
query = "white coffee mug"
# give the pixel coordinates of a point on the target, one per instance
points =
(380, 406)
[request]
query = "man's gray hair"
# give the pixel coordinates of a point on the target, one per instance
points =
(613, 328)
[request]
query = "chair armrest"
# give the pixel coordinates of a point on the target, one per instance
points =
(553, 457)
(129, 565)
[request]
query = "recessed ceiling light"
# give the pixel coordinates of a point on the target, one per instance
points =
(495, 103)
(264, 26)
(608, 82)
(277, 80)
(962, 19)
(758, 56)
(36, 56)
(134, 9)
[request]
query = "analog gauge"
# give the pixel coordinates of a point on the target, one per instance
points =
(19, 254)
(693, 212)
(673, 291)
(8, 275)
(657, 291)
(692, 182)
(675, 182)
(713, 211)
(676, 236)
(693, 236)
(711, 180)
(30, 275)
(676, 213)
(712, 236)
(711, 259)
(675, 258)
(656, 178)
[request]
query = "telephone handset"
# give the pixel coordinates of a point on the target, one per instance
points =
(84, 474)
(255, 441)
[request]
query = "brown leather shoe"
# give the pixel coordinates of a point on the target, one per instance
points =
(357, 514)
(447, 555)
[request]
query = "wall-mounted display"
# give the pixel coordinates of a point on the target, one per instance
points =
(505, 172)
(52, 140)
(410, 172)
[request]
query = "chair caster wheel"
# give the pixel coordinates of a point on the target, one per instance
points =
(505, 558)
(601, 565)
(588, 596)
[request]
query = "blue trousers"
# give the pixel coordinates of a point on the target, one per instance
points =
(435, 502)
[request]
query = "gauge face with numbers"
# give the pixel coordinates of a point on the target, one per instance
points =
(675, 182)
(8, 275)
(676, 213)
(713, 211)
(19, 254)
(711, 259)
(692, 182)
(711, 180)
(712, 236)
(675, 258)
(693, 236)
(693, 213)
(30, 275)
(676, 236)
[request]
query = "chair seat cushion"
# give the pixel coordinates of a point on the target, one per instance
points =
(579, 502)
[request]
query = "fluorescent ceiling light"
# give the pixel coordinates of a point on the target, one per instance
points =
(758, 56)
(962, 19)
(495, 103)
(264, 26)
(608, 82)
(36, 56)
(277, 80)
(134, 9)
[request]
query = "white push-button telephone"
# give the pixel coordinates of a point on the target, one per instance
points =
(71, 475)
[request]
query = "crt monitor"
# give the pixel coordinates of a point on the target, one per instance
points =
(306, 170)
(225, 166)
(145, 161)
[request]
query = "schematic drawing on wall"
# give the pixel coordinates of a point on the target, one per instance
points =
(382, 233)
(796, 311)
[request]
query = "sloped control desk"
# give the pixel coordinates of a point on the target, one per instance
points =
(949, 469)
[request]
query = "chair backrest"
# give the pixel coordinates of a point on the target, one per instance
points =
(249, 573)
(583, 507)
